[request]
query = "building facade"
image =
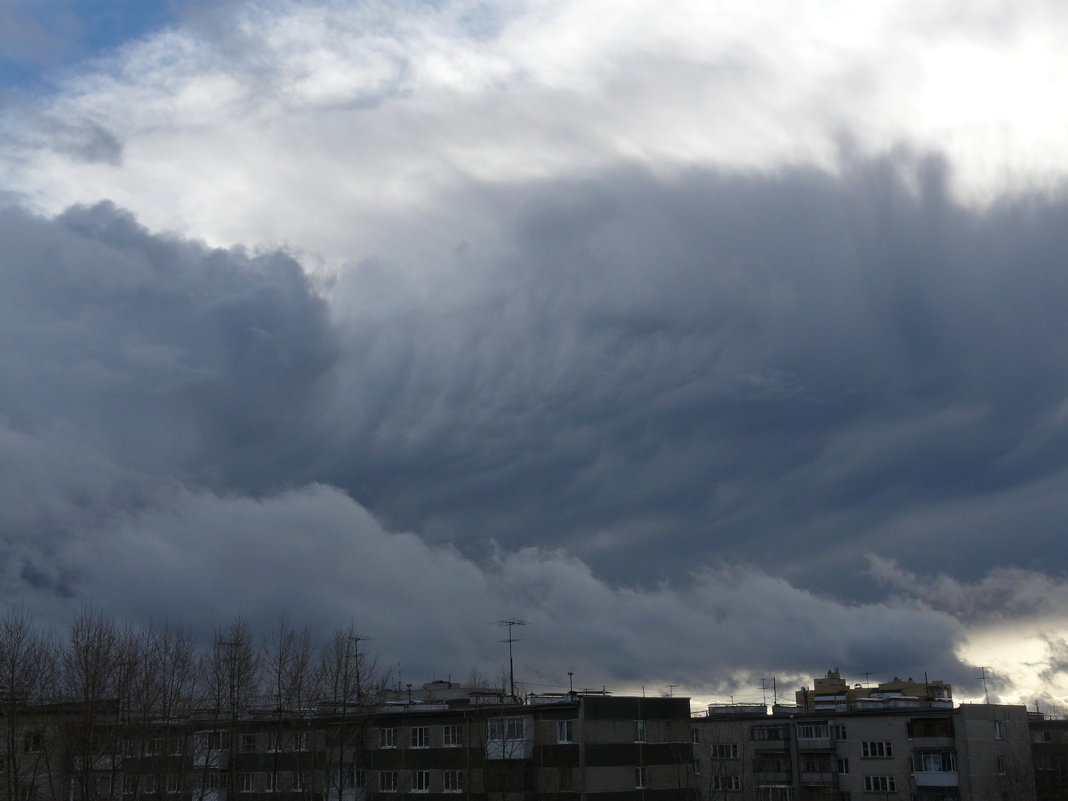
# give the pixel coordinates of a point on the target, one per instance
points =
(901, 751)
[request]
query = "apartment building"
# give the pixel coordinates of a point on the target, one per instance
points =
(905, 749)
(1049, 753)
(436, 745)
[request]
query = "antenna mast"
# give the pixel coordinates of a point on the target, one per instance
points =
(510, 640)
(986, 690)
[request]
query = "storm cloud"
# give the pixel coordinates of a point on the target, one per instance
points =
(667, 418)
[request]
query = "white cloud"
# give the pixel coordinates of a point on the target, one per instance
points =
(331, 127)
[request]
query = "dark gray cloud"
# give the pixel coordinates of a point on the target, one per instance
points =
(741, 385)
(788, 368)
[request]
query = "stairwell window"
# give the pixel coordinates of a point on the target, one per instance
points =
(563, 731)
(639, 731)
(641, 778)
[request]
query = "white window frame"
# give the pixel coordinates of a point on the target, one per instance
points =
(247, 782)
(452, 735)
(640, 731)
(387, 781)
(727, 783)
(420, 737)
(453, 780)
(641, 777)
(880, 784)
(877, 749)
(387, 738)
(420, 781)
(564, 731)
(724, 750)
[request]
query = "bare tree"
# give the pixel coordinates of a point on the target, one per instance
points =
(231, 682)
(351, 686)
(28, 674)
(91, 681)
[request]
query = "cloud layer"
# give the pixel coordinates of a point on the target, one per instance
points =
(664, 420)
(709, 338)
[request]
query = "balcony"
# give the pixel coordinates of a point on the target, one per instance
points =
(814, 743)
(940, 778)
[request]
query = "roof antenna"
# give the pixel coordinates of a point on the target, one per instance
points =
(982, 675)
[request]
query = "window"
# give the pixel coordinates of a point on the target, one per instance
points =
(879, 784)
(454, 781)
(148, 785)
(639, 731)
(1002, 764)
(999, 733)
(697, 735)
(159, 745)
(210, 740)
(245, 782)
(934, 761)
(420, 736)
(271, 785)
(103, 787)
(724, 750)
(361, 779)
(813, 731)
(815, 763)
(174, 783)
(563, 731)
(838, 731)
(727, 783)
(841, 765)
(930, 727)
(876, 749)
(343, 777)
(31, 742)
(387, 781)
(274, 742)
(641, 778)
(387, 738)
(299, 740)
(768, 733)
(697, 767)
(420, 781)
(453, 736)
(248, 742)
(297, 785)
(212, 780)
(177, 746)
(507, 728)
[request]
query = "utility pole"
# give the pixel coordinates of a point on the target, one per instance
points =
(510, 640)
(356, 640)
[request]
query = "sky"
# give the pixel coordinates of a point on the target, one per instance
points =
(718, 341)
